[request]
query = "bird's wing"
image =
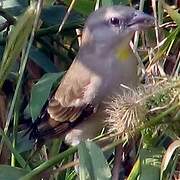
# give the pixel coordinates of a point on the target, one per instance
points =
(68, 102)
(68, 105)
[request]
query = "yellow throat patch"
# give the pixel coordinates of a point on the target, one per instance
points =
(123, 53)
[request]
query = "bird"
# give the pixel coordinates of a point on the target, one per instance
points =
(77, 110)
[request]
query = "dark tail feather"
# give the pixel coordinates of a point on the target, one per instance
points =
(32, 131)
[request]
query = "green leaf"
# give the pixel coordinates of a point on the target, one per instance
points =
(40, 93)
(93, 164)
(166, 46)
(23, 143)
(17, 39)
(53, 15)
(18, 157)
(168, 155)
(49, 2)
(42, 60)
(86, 170)
(55, 147)
(173, 14)
(84, 7)
(135, 171)
(11, 173)
(71, 176)
(49, 164)
(15, 7)
(150, 163)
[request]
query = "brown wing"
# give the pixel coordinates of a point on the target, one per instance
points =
(68, 106)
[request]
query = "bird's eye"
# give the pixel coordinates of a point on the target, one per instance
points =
(115, 21)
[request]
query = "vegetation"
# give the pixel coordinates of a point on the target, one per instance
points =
(38, 41)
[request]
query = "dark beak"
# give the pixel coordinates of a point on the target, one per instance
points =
(141, 21)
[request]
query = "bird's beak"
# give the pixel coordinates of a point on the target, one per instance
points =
(140, 21)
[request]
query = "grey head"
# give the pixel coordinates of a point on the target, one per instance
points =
(112, 24)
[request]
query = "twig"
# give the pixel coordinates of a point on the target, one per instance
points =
(156, 21)
(136, 36)
(66, 166)
(66, 16)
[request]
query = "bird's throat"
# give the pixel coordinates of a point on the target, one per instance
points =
(123, 52)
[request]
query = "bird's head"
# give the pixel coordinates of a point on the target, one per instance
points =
(110, 25)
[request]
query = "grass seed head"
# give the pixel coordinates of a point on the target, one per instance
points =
(126, 112)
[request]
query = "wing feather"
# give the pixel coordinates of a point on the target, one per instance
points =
(66, 107)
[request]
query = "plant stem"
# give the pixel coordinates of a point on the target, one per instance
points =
(54, 29)
(15, 127)
(66, 16)
(22, 69)
(19, 158)
(72, 150)
(136, 36)
(44, 166)
(158, 120)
